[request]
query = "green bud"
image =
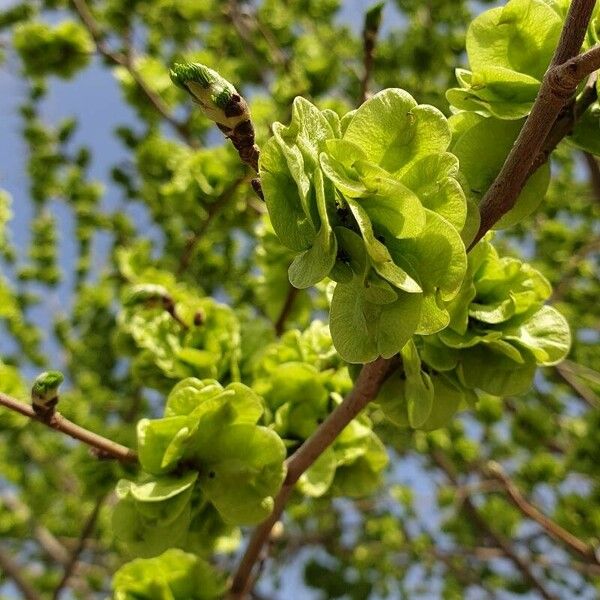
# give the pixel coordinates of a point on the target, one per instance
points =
(218, 98)
(44, 393)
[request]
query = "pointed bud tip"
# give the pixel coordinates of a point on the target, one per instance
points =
(183, 73)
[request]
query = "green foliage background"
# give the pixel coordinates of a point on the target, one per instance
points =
(187, 222)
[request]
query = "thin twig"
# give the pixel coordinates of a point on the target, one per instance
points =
(286, 309)
(105, 447)
(212, 211)
(594, 171)
(125, 60)
(370, 32)
(552, 528)
(572, 264)
(365, 389)
(499, 540)
(581, 389)
(556, 90)
(86, 532)
(12, 571)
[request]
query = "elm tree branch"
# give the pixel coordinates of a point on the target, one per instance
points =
(213, 211)
(13, 572)
(552, 528)
(288, 304)
(557, 89)
(124, 60)
(482, 524)
(365, 389)
(593, 167)
(86, 532)
(104, 447)
(370, 32)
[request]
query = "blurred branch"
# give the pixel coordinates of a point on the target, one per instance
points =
(104, 447)
(552, 528)
(580, 388)
(13, 572)
(572, 264)
(481, 523)
(86, 532)
(365, 389)
(556, 91)
(49, 544)
(125, 60)
(212, 211)
(594, 172)
(286, 309)
(370, 32)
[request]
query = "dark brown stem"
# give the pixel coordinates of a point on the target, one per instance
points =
(594, 171)
(13, 572)
(482, 524)
(552, 528)
(556, 91)
(286, 309)
(365, 389)
(105, 447)
(370, 32)
(86, 532)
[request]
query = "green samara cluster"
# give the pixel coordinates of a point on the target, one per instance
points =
(207, 468)
(499, 333)
(302, 379)
(174, 575)
(372, 201)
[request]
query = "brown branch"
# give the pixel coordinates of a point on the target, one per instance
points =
(481, 523)
(86, 532)
(104, 447)
(365, 389)
(581, 389)
(557, 89)
(286, 309)
(212, 211)
(370, 32)
(13, 572)
(594, 171)
(125, 60)
(552, 528)
(580, 255)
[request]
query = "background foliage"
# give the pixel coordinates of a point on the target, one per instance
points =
(166, 202)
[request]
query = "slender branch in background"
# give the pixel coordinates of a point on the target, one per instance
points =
(580, 388)
(125, 60)
(212, 211)
(370, 32)
(594, 170)
(552, 528)
(86, 532)
(104, 447)
(482, 524)
(556, 90)
(13, 572)
(49, 544)
(288, 304)
(365, 389)
(571, 267)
